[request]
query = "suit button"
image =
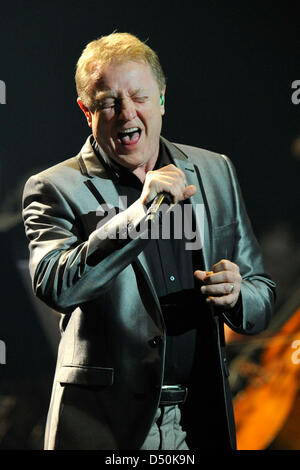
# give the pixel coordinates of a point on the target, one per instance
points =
(155, 341)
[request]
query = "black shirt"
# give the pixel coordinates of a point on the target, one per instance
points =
(171, 271)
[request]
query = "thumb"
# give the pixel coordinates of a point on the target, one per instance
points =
(189, 191)
(201, 275)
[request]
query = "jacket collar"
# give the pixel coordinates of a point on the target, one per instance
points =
(89, 163)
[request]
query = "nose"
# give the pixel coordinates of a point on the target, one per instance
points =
(127, 110)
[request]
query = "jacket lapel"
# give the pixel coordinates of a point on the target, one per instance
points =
(199, 201)
(101, 181)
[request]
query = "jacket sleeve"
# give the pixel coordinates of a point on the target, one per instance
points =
(67, 270)
(255, 307)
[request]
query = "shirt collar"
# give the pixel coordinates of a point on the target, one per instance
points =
(121, 172)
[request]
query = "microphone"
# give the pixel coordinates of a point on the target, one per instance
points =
(159, 199)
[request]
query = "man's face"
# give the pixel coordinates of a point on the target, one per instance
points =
(127, 118)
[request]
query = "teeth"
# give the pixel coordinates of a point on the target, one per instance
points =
(131, 129)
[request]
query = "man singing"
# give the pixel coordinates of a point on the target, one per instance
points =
(141, 362)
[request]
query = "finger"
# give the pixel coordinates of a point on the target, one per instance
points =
(221, 277)
(170, 185)
(189, 191)
(225, 265)
(217, 289)
(171, 179)
(165, 182)
(173, 171)
(228, 300)
(170, 167)
(201, 275)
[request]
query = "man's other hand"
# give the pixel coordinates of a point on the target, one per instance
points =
(222, 285)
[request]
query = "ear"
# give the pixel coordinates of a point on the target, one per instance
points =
(86, 111)
(162, 100)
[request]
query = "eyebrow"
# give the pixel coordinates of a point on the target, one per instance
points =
(103, 94)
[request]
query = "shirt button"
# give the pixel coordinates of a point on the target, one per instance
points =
(172, 278)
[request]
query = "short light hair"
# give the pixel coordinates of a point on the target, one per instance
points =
(117, 47)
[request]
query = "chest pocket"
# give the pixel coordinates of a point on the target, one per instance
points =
(224, 242)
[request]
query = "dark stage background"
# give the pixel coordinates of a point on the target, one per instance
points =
(230, 69)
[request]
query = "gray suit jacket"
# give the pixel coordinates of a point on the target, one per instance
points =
(111, 356)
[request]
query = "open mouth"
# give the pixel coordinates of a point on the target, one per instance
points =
(129, 136)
